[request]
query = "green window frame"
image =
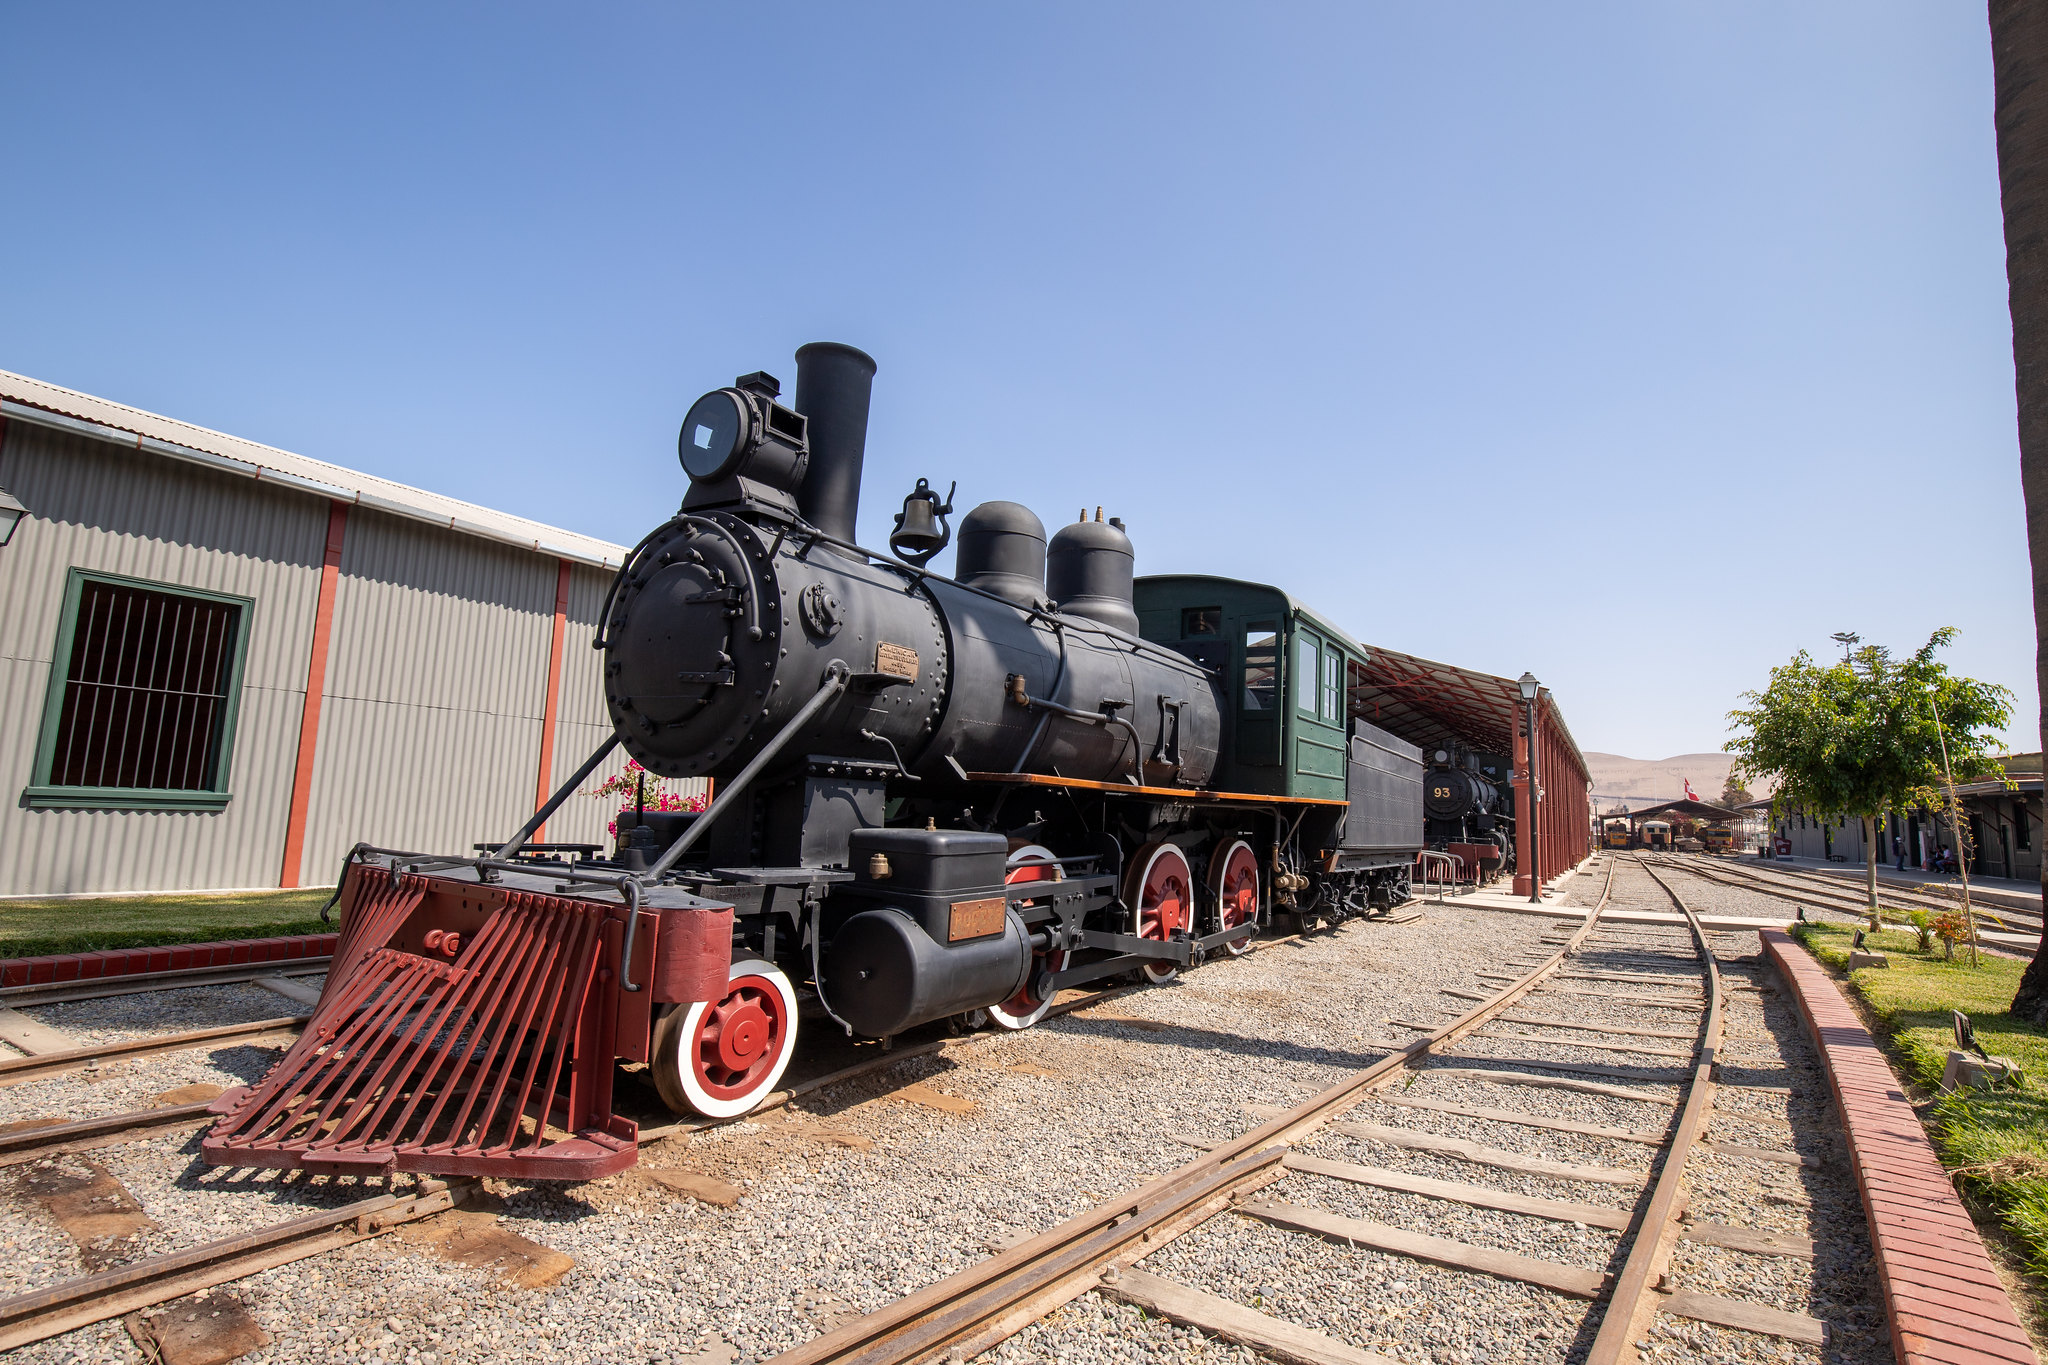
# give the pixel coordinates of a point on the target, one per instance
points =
(176, 686)
(1260, 694)
(1306, 673)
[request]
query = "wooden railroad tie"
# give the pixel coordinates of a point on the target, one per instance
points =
(1464, 1149)
(1268, 1335)
(1506, 1265)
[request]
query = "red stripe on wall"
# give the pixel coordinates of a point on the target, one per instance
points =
(544, 784)
(316, 685)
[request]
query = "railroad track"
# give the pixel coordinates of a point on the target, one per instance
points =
(95, 1298)
(136, 983)
(1236, 1182)
(1826, 891)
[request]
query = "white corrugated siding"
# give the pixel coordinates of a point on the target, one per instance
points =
(95, 506)
(436, 685)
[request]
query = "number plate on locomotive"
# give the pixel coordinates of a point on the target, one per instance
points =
(975, 919)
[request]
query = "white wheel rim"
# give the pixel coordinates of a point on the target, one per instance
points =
(1237, 947)
(1031, 855)
(678, 1043)
(1159, 972)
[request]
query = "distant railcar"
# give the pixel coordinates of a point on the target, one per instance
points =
(1656, 834)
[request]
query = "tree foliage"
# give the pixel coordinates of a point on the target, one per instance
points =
(1859, 737)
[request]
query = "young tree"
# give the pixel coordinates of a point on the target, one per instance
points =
(1859, 737)
(1734, 795)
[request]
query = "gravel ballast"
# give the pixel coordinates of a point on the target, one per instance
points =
(855, 1196)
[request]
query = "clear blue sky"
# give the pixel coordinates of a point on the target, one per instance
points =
(1636, 345)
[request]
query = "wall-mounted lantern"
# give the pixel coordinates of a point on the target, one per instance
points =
(11, 513)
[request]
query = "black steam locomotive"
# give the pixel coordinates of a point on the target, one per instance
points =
(936, 798)
(1468, 808)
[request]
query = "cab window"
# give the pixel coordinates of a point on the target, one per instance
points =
(1261, 667)
(1306, 671)
(1333, 687)
(1196, 622)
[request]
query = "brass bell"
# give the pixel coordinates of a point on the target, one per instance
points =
(921, 530)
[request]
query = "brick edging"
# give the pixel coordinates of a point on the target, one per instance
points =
(1942, 1295)
(59, 968)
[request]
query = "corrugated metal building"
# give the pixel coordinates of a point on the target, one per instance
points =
(175, 596)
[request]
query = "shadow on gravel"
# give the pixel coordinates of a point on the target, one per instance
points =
(246, 1064)
(1163, 1033)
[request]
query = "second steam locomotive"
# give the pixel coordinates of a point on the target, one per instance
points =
(937, 797)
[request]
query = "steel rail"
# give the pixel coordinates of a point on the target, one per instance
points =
(76, 1303)
(971, 1311)
(1633, 1304)
(23, 1144)
(1843, 882)
(16, 1070)
(134, 983)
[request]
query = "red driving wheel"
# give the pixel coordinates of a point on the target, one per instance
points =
(1031, 863)
(1234, 877)
(1159, 888)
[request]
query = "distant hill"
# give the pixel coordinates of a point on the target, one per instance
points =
(1641, 781)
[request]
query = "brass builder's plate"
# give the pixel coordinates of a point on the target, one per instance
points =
(895, 661)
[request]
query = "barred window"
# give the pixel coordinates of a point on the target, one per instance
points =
(143, 693)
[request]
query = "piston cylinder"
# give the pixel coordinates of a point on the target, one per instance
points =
(884, 973)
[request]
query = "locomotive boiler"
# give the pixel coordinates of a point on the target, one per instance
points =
(937, 797)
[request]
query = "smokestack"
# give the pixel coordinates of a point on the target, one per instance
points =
(833, 385)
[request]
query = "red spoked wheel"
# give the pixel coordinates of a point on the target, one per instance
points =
(1031, 863)
(1159, 888)
(1234, 877)
(720, 1058)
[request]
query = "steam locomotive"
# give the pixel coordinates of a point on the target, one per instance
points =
(1469, 810)
(936, 798)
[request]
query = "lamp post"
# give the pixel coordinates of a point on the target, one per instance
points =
(11, 513)
(1530, 687)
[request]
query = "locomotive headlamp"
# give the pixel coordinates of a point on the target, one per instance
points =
(743, 433)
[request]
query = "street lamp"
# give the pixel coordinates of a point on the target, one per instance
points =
(1530, 687)
(11, 513)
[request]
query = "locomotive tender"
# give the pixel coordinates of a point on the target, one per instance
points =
(936, 798)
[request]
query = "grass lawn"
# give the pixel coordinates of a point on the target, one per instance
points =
(29, 928)
(1995, 1140)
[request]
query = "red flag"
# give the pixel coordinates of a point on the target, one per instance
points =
(1690, 794)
